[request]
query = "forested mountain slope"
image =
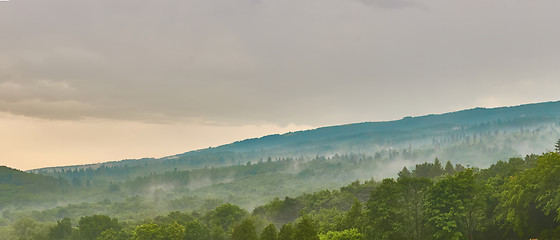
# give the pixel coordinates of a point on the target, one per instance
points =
(17, 187)
(433, 135)
(256, 171)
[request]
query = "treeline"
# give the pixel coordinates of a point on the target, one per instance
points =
(473, 141)
(249, 179)
(518, 199)
(129, 169)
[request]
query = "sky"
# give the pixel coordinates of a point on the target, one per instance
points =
(94, 81)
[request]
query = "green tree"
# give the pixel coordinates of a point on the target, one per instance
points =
(226, 215)
(384, 215)
(404, 173)
(194, 230)
(91, 226)
(305, 230)
(453, 206)
(354, 217)
(286, 232)
(29, 229)
(348, 234)
(437, 169)
(174, 231)
(269, 233)
(62, 230)
(112, 234)
(244, 231)
(428, 170)
(412, 193)
(217, 233)
(326, 219)
(459, 167)
(449, 169)
(531, 200)
(148, 231)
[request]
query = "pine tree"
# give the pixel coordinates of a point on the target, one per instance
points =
(449, 169)
(437, 169)
(557, 146)
(404, 173)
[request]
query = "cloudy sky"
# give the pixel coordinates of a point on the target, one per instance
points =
(93, 81)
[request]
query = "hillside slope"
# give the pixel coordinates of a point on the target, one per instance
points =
(19, 188)
(429, 132)
(255, 171)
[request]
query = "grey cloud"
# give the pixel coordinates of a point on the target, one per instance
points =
(67, 110)
(393, 4)
(315, 62)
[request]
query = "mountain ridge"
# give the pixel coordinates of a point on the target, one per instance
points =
(298, 139)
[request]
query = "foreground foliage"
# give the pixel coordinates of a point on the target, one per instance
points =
(519, 199)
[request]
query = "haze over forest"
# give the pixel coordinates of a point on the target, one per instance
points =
(279, 180)
(279, 120)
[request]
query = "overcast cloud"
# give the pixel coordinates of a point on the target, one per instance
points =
(100, 80)
(314, 62)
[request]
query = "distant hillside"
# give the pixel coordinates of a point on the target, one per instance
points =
(254, 171)
(431, 132)
(541, 111)
(18, 187)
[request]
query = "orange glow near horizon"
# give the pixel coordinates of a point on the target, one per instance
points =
(30, 143)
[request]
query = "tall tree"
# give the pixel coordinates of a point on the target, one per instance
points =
(404, 173)
(384, 215)
(412, 192)
(453, 207)
(62, 230)
(437, 169)
(449, 169)
(531, 200)
(269, 233)
(227, 215)
(217, 233)
(354, 217)
(174, 231)
(194, 230)
(286, 232)
(244, 231)
(305, 230)
(91, 226)
(148, 231)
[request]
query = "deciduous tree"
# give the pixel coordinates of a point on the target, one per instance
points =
(269, 233)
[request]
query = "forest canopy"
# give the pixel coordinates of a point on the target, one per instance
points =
(517, 199)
